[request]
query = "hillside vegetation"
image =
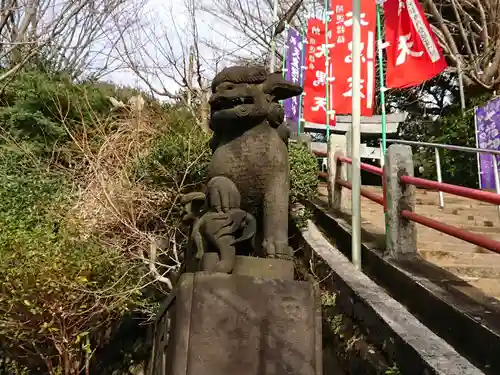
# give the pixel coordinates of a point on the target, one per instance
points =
(86, 190)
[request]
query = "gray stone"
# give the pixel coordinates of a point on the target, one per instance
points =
(233, 324)
(414, 347)
(401, 233)
(336, 146)
(247, 196)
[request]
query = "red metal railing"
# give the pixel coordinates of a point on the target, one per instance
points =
(480, 195)
(365, 167)
(364, 192)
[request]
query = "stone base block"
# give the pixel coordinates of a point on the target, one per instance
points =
(267, 268)
(233, 324)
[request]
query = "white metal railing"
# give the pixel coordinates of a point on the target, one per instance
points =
(437, 146)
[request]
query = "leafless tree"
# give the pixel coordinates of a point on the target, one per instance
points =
(469, 32)
(165, 53)
(66, 35)
(251, 25)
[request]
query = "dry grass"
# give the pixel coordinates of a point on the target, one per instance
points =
(110, 199)
(113, 205)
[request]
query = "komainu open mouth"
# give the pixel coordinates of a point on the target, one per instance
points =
(229, 103)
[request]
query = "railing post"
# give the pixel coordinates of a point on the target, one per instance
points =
(439, 176)
(340, 169)
(495, 175)
(348, 153)
(336, 146)
(401, 233)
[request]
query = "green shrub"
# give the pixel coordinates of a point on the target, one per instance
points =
(63, 292)
(38, 109)
(303, 172)
(58, 293)
(179, 158)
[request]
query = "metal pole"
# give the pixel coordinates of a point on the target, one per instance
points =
(356, 134)
(446, 147)
(382, 154)
(461, 85)
(478, 156)
(439, 176)
(495, 174)
(381, 79)
(302, 73)
(273, 39)
(327, 71)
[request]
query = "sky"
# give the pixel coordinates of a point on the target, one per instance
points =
(161, 38)
(162, 29)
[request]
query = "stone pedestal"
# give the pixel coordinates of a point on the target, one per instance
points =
(239, 324)
(266, 268)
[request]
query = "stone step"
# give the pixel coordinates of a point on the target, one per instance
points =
(478, 267)
(460, 258)
(480, 271)
(425, 244)
(480, 215)
(488, 231)
(490, 287)
(429, 235)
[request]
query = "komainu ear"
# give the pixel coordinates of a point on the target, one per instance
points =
(279, 88)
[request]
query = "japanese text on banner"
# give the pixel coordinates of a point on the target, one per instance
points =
(488, 137)
(315, 101)
(413, 53)
(342, 55)
(293, 63)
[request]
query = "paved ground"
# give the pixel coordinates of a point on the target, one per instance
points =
(478, 266)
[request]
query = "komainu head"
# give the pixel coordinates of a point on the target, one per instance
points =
(248, 96)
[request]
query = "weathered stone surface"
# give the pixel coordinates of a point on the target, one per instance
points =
(268, 268)
(465, 319)
(231, 324)
(406, 341)
(401, 232)
(249, 148)
(245, 204)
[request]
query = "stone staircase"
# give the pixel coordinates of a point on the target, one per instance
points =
(477, 266)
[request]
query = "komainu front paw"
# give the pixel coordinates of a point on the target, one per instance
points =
(222, 194)
(277, 249)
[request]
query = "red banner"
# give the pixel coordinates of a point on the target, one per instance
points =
(342, 55)
(315, 78)
(413, 53)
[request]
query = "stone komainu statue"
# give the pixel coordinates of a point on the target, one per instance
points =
(249, 170)
(258, 319)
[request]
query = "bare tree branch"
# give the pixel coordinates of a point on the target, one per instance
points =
(166, 55)
(251, 25)
(469, 32)
(66, 36)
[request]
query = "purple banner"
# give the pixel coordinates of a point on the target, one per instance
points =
(488, 137)
(293, 66)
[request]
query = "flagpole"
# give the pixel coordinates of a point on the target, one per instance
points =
(383, 111)
(356, 135)
(273, 38)
(327, 66)
(302, 73)
(285, 46)
(382, 82)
